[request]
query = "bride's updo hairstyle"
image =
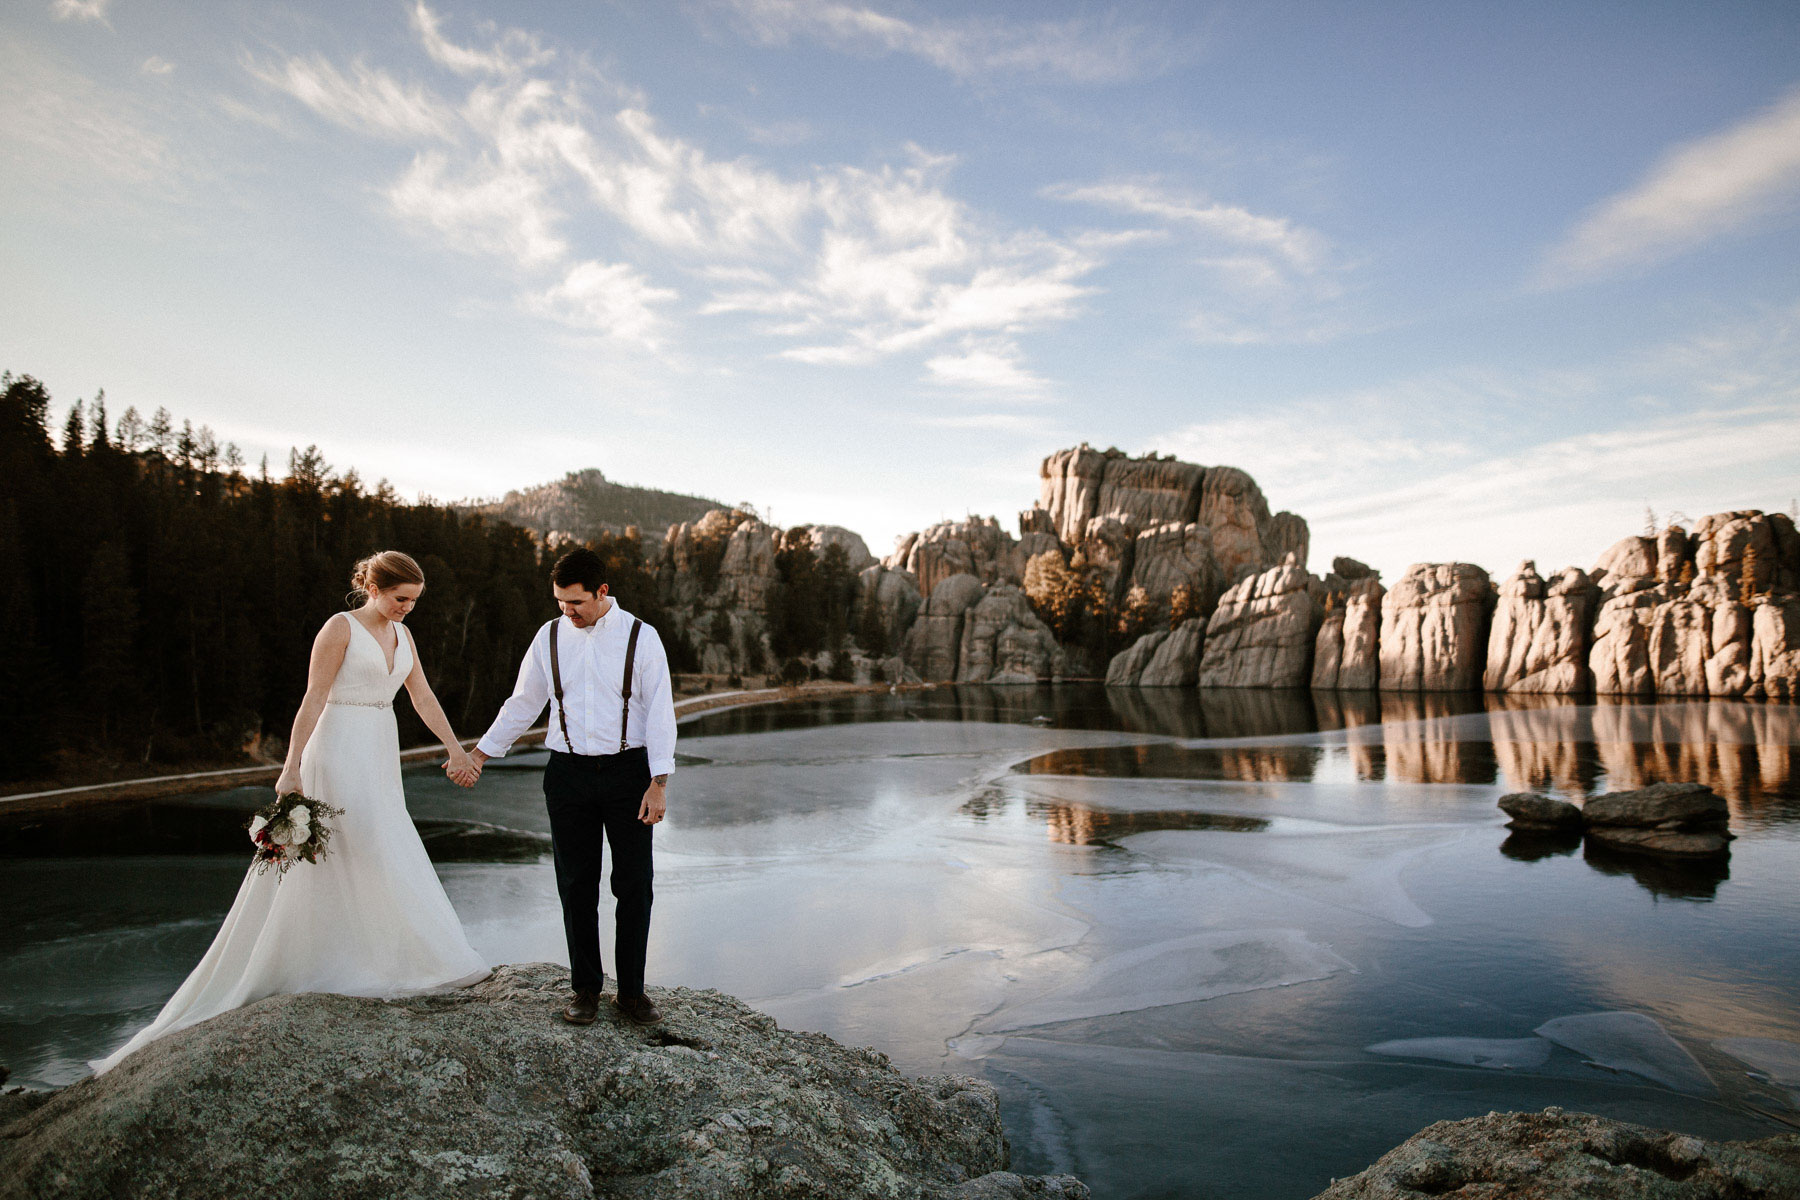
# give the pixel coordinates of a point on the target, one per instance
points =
(380, 571)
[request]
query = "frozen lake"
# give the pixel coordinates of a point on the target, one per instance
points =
(1225, 944)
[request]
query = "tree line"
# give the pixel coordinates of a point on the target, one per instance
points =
(160, 599)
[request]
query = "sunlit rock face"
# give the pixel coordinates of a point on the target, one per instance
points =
(976, 546)
(1629, 565)
(1262, 633)
(1347, 650)
(1003, 641)
(1538, 641)
(1775, 648)
(1434, 626)
(747, 574)
(823, 537)
(933, 645)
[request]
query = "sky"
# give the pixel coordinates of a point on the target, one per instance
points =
(1453, 281)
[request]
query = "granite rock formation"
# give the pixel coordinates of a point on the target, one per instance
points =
(1261, 635)
(976, 546)
(1346, 652)
(933, 646)
(1161, 658)
(1555, 1155)
(1004, 641)
(483, 1092)
(1538, 641)
(1434, 625)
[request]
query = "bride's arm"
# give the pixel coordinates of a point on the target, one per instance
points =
(327, 656)
(461, 766)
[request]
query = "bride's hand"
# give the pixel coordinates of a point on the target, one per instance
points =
(288, 782)
(462, 769)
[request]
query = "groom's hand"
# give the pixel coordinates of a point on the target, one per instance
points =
(655, 801)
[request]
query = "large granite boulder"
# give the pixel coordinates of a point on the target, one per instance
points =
(1725, 542)
(823, 537)
(1555, 1155)
(1538, 641)
(1346, 652)
(1680, 644)
(747, 573)
(1172, 555)
(1149, 491)
(1620, 658)
(1069, 485)
(1629, 565)
(976, 546)
(485, 1092)
(1004, 641)
(1261, 634)
(1434, 626)
(1161, 658)
(933, 647)
(1236, 517)
(895, 594)
(1775, 647)
(1664, 818)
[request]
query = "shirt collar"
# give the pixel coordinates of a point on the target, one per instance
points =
(605, 621)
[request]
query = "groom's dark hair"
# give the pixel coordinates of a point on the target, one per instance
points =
(579, 568)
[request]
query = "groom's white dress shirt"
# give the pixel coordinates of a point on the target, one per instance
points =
(593, 668)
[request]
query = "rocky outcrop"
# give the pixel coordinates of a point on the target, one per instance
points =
(1346, 652)
(933, 647)
(1434, 626)
(1555, 1155)
(482, 1092)
(1170, 556)
(1529, 810)
(1629, 565)
(895, 595)
(1161, 658)
(1620, 658)
(1538, 641)
(1003, 641)
(1664, 818)
(976, 546)
(1725, 543)
(1775, 648)
(747, 572)
(1261, 635)
(823, 537)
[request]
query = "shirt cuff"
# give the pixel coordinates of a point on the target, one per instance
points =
(492, 749)
(662, 766)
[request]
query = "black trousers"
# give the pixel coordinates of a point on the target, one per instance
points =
(594, 801)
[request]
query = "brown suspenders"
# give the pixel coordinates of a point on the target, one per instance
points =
(562, 715)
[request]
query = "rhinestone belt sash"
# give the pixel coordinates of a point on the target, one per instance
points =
(364, 703)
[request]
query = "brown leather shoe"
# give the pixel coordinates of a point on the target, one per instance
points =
(638, 1009)
(583, 1008)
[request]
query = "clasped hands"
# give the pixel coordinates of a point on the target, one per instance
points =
(464, 768)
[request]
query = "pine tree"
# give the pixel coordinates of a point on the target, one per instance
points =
(74, 432)
(1747, 571)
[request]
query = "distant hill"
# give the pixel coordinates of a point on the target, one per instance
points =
(583, 503)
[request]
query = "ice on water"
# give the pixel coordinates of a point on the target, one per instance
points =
(1497, 1054)
(1634, 1042)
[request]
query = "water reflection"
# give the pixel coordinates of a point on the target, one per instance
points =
(1171, 760)
(1071, 823)
(1670, 878)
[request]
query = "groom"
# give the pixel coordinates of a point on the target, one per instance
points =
(612, 747)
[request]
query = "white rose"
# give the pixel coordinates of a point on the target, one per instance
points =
(300, 813)
(257, 825)
(302, 831)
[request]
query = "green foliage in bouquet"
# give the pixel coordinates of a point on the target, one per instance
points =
(293, 828)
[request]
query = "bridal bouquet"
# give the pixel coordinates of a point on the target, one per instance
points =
(292, 829)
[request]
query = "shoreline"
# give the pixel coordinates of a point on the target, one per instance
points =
(184, 783)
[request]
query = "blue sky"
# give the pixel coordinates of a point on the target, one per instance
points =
(1452, 281)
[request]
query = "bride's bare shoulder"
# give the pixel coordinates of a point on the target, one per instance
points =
(335, 631)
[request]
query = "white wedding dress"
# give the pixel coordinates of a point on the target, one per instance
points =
(368, 919)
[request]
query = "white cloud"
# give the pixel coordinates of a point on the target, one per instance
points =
(607, 298)
(157, 66)
(365, 99)
(1299, 248)
(1080, 50)
(81, 10)
(988, 366)
(76, 124)
(837, 264)
(1706, 188)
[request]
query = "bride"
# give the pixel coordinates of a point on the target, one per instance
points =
(369, 918)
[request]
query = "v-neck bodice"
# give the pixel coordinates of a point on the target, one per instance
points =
(365, 677)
